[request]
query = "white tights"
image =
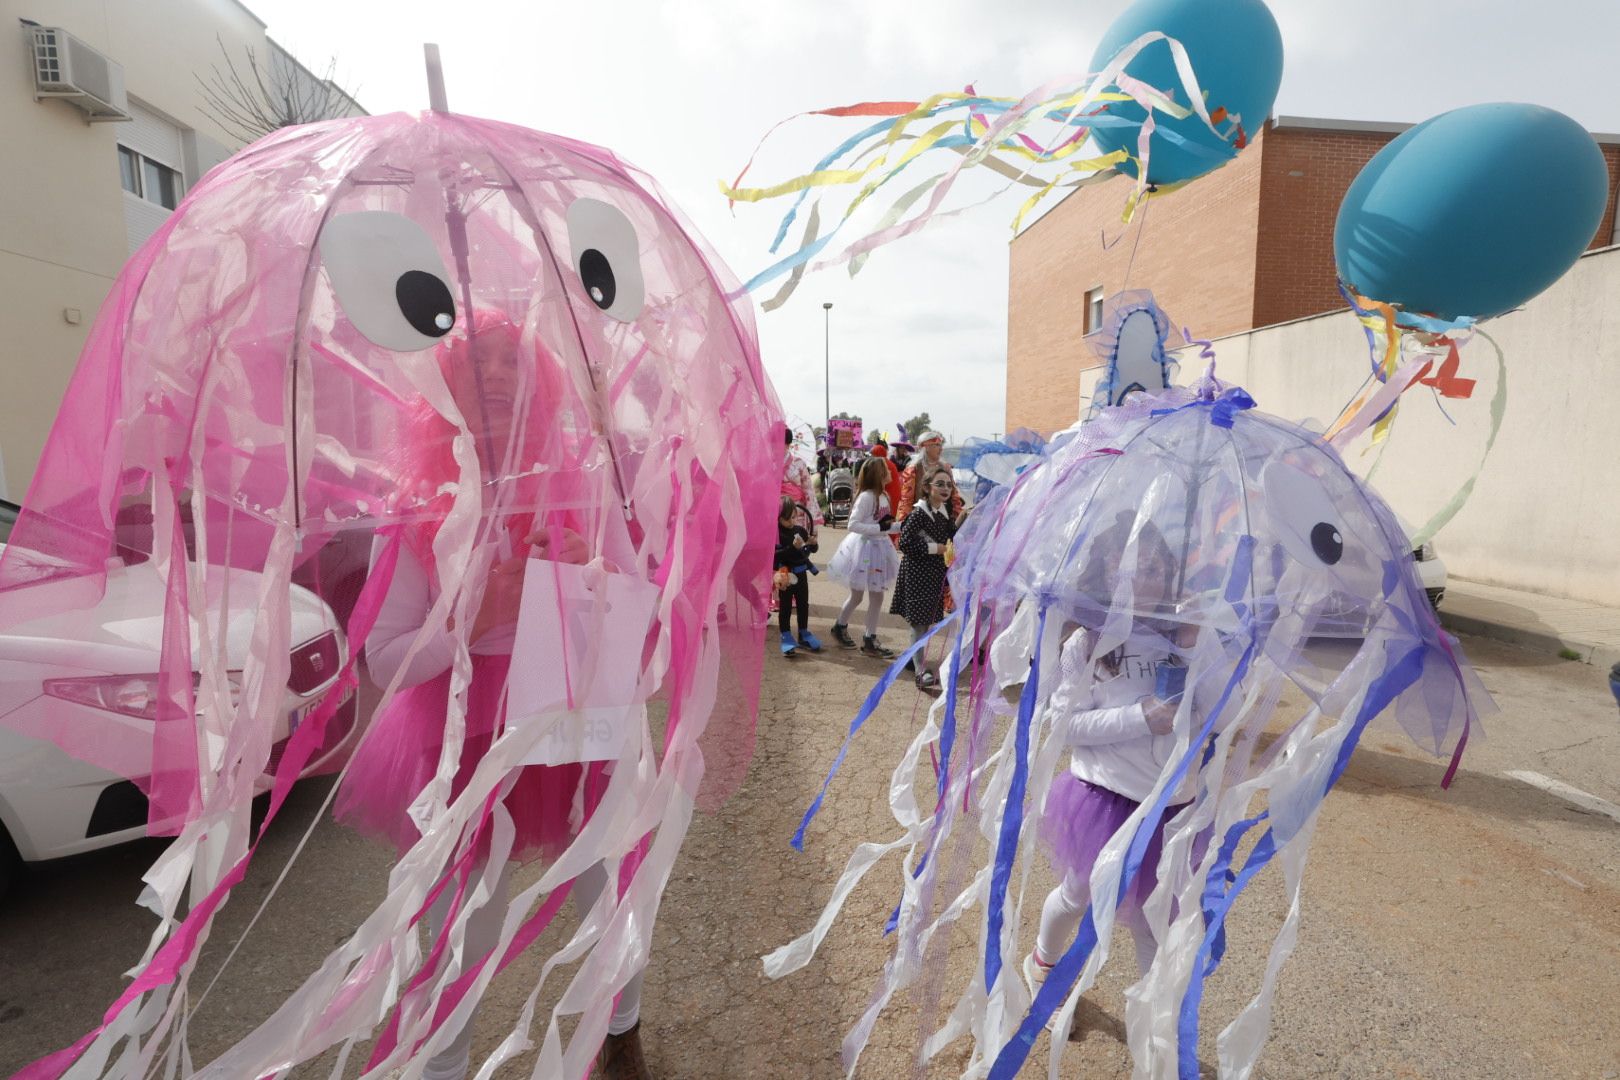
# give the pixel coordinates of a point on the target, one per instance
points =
(873, 610)
(483, 934)
(1060, 921)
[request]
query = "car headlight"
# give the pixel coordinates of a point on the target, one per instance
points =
(1424, 553)
(127, 695)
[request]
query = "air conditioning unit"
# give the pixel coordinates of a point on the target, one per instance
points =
(67, 68)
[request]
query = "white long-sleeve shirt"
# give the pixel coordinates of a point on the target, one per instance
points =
(863, 516)
(401, 618)
(1101, 717)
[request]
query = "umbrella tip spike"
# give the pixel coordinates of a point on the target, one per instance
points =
(435, 79)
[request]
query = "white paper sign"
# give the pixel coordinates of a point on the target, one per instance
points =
(576, 660)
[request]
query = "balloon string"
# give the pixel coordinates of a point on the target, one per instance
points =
(1140, 228)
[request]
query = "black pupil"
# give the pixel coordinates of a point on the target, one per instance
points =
(1327, 543)
(425, 302)
(597, 275)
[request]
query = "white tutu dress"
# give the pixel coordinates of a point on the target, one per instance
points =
(866, 561)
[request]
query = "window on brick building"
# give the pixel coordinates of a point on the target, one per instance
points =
(1094, 309)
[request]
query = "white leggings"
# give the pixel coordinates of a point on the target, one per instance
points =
(1060, 921)
(483, 934)
(873, 610)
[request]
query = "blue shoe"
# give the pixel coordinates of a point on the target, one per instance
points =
(809, 641)
(788, 647)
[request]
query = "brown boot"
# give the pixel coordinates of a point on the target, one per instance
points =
(620, 1057)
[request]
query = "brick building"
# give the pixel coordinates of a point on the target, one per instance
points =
(1249, 245)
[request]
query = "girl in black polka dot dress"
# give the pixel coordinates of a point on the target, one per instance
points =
(919, 591)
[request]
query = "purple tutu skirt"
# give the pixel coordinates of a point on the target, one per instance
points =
(1079, 819)
(398, 757)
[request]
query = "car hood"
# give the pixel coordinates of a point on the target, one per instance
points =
(123, 630)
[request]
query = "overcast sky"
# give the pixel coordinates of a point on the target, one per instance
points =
(686, 90)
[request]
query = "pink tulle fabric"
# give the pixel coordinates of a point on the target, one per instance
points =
(548, 803)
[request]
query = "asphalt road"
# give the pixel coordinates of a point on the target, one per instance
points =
(1473, 932)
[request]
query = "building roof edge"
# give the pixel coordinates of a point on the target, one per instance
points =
(1381, 127)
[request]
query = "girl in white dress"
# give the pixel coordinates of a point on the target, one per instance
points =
(866, 561)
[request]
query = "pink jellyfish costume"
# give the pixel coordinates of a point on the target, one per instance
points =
(449, 337)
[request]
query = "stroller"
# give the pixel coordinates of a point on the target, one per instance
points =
(840, 496)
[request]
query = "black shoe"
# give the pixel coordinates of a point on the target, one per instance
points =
(840, 634)
(621, 1057)
(871, 647)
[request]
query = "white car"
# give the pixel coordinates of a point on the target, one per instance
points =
(1431, 571)
(102, 663)
(1351, 619)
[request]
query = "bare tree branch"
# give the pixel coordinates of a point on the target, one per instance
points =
(270, 96)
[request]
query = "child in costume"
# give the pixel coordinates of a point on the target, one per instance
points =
(1109, 712)
(488, 377)
(919, 590)
(866, 562)
(880, 449)
(794, 546)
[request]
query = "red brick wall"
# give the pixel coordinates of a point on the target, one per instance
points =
(1303, 177)
(1295, 275)
(1248, 245)
(1196, 252)
(1605, 231)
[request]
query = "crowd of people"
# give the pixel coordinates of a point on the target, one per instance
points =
(905, 513)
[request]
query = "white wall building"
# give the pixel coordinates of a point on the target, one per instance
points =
(1544, 515)
(91, 174)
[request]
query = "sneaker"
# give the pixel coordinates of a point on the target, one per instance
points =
(1035, 973)
(809, 641)
(788, 646)
(840, 634)
(870, 646)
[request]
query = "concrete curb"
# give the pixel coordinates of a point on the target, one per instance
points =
(1463, 623)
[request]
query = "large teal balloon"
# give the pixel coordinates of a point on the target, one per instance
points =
(1237, 56)
(1472, 212)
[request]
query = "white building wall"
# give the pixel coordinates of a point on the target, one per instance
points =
(1545, 513)
(69, 226)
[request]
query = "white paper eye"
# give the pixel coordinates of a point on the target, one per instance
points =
(1302, 515)
(389, 279)
(607, 256)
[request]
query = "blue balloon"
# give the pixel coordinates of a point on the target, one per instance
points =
(1237, 55)
(1472, 212)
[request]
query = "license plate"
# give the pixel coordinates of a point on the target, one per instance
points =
(298, 715)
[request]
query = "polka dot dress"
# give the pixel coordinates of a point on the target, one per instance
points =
(919, 592)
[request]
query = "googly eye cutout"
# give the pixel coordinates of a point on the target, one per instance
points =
(607, 256)
(389, 279)
(1303, 516)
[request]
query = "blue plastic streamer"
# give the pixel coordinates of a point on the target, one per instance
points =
(1061, 979)
(1222, 409)
(1389, 685)
(867, 708)
(1012, 812)
(1221, 878)
(947, 729)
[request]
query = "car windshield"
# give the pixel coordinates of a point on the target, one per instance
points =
(8, 518)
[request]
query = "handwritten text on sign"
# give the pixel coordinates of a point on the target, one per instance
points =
(580, 636)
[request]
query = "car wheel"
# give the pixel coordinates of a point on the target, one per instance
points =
(10, 862)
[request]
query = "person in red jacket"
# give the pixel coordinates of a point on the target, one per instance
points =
(880, 449)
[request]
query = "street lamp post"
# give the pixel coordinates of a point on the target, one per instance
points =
(826, 354)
